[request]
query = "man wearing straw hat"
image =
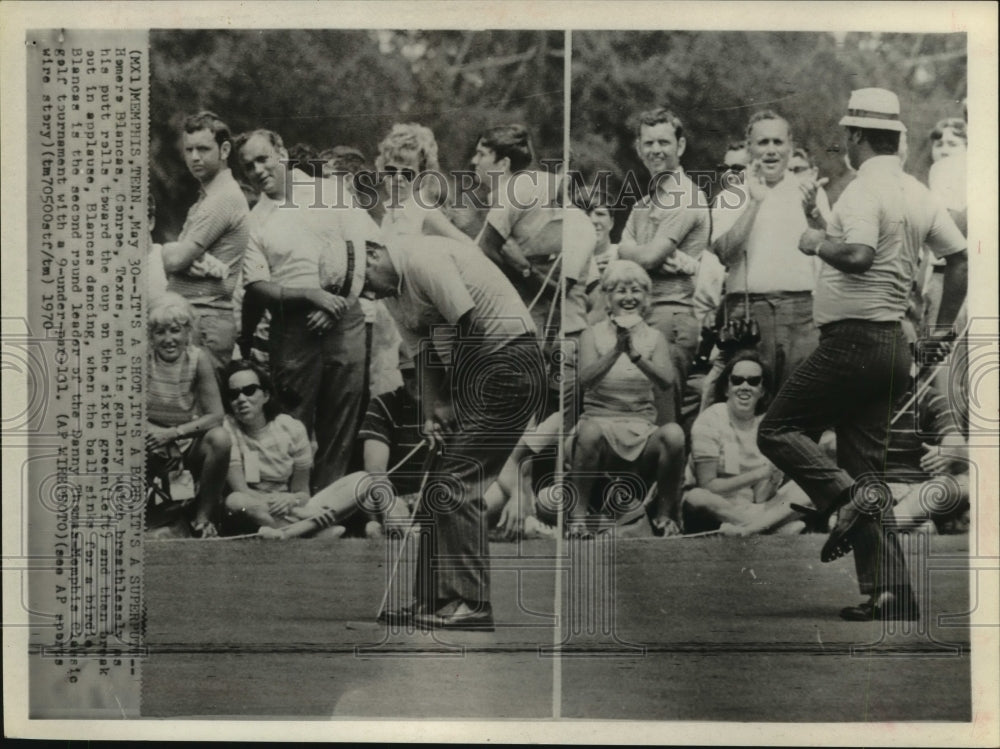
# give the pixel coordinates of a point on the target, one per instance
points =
(870, 252)
(482, 379)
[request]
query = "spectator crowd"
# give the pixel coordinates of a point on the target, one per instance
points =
(326, 331)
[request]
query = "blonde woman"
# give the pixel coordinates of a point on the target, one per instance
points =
(622, 359)
(414, 184)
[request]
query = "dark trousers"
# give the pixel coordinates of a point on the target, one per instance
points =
(679, 326)
(787, 332)
(850, 382)
(494, 396)
(321, 381)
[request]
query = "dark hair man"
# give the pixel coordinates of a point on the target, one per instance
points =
(203, 264)
(666, 233)
(870, 251)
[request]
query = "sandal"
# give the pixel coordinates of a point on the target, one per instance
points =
(204, 529)
(579, 529)
(665, 527)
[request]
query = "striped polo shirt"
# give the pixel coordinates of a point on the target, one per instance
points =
(218, 224)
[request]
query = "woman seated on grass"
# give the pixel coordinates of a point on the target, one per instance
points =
(738, 490)
(183, 409)
(621, 359)
(271, 457)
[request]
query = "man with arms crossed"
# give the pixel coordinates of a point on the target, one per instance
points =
(666, 234)
(203, 265)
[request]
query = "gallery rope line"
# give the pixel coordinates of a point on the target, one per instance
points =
(324, 519)
(545, 282)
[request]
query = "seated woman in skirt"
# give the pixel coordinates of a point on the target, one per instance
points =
(184, 411)
(621, 358)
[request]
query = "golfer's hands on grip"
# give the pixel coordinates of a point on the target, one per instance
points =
(441, 420)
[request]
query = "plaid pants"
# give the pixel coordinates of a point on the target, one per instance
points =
(850, 382)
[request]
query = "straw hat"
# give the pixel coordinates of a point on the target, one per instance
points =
(873, 108)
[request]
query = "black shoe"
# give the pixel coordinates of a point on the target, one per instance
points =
(886, 606)
(868, 499)
(397, 617)
(839, 542)
(816, 521)
(480, 618)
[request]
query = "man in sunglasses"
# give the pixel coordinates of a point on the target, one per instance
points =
(305, 263)
(755, 233)
(870, 252)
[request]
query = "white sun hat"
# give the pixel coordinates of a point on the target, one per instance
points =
(873, 108)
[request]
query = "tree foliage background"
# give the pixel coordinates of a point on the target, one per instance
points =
(330, 87)
(714, 81)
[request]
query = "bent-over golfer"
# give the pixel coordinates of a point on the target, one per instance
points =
(482, 378)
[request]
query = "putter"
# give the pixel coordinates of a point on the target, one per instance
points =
(429, 462)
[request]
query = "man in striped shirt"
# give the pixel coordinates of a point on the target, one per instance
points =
(203, 264)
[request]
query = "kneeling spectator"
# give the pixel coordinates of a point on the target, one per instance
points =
(738, 490)
(621, 360)
(184, 411)
(271, 459)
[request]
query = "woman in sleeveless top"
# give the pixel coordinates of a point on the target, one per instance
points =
(183, 408)
(739, 491)
(621, 359)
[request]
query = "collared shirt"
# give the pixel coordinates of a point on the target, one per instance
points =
(772, 245)
(678, 211)
(217, 224)
(716, 437)
(523, 207)
(442, 279)
(947, 180)
(890, 211)
(303, 245)
(527, 210)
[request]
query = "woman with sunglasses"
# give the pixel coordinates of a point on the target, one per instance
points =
(413, 183)
(271, 459)
(621, 359)
(738, 490)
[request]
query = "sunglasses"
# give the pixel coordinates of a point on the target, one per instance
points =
(730, 167)
(751, 381)
(404, 172)
(247, 390)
